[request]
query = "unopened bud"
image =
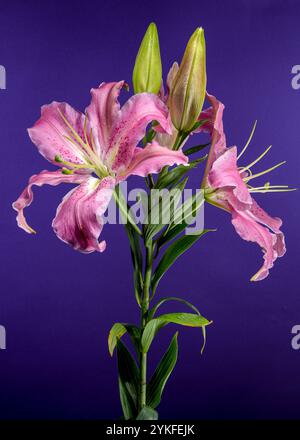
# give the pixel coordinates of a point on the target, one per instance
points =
(189, 86)
(147, 72)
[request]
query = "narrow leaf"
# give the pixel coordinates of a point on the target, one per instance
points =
(185, 319)
(174, 251)
(162, 373)
(149, 333)
(195, 149)
(163, 211)
(183, 217)
(128, 381)
(172, 298)
(137, 261)
(126, 213)
(128, 406)
(172, 177)
(118, 330)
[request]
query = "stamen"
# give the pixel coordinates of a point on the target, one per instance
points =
(74, 133)
(84, 129)
(258, 159)
(248, 141)
(71, 164)
(67, 171)
(86, 148)
(273, 190)
(90, 151)
(92, 140)
(268, 186)
(246, 179)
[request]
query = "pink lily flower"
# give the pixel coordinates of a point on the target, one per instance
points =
(227, 186)
(96, 151)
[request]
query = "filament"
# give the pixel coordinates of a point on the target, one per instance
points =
(249, 140)
(264, 172)
(258, 159)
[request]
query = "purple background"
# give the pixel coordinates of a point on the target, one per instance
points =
(58, 305)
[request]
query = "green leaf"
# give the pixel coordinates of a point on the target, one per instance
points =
(171, 298)
(128, 381)
(183, 217)
(170, 233)
(126, 213)
(174, 251)
(195, 149)
(118, 330)
(147, 413)
(199, 124)
(128, 406)
(152, 327)
(162, 212)
(133, 233)
(162, 373)
(187, 211)
(137, 261)
(185, 319)
(173, 176)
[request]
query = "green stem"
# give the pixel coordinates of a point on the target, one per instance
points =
(125, 211)
(178, 140)
(144, 312)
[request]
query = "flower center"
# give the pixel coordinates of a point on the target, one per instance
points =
(87, 150)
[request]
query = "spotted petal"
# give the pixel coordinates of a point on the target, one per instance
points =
(78, 220)
(152, 159)
(224, 173)
(103, 111)
(130, 127)
(52, 178)
(53, 136)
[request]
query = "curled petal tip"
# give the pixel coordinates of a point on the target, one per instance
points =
(21, 221)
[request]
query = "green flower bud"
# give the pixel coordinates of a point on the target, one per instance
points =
(147, 72)
(187, 93)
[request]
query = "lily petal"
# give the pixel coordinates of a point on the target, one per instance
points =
(258, 214)
(152, 159)
(272, 244)
(214, 126)
(103, 111)
(78, 220)
(45, 177)
(130, 128)
(50, 133)
(224, 172)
